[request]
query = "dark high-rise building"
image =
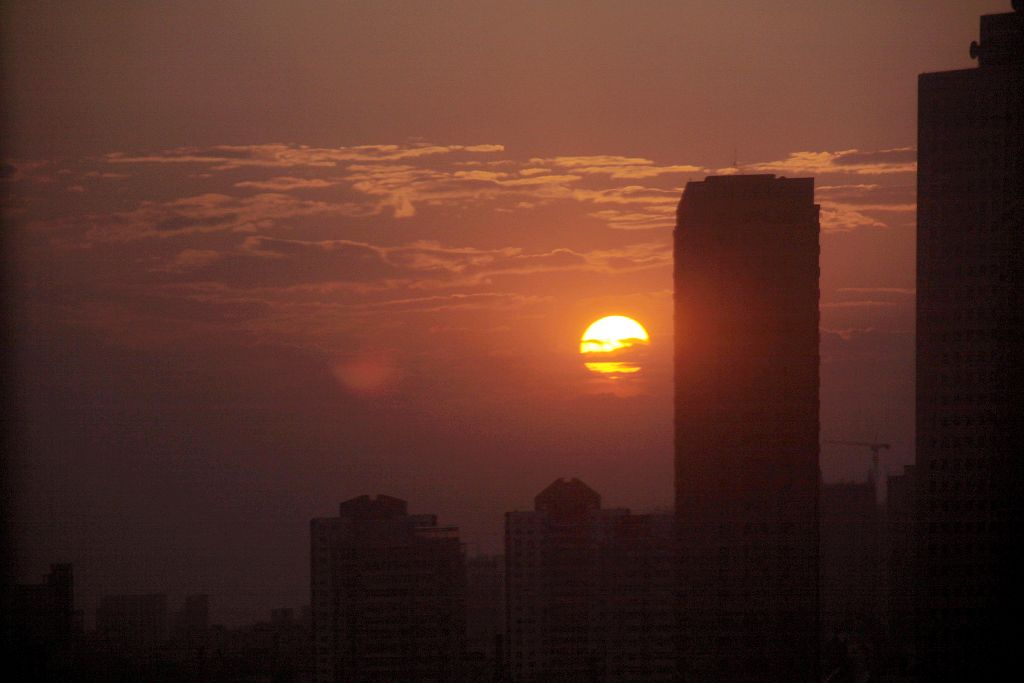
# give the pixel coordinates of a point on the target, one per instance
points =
(388, 594)
(746, 378)
(970, 310)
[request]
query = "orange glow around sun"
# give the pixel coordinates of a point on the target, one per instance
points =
(607, 343)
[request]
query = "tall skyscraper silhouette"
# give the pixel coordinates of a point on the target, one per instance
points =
(970, 310)
(746, 331)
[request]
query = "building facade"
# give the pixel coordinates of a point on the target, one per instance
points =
(970, 310)
(589, 590)
(746, 422)
(388, 594)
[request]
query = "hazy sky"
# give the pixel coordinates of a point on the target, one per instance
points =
(268, 256)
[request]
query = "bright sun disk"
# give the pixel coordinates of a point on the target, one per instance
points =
(612, 333)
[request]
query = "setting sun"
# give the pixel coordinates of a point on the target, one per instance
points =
(610, 339)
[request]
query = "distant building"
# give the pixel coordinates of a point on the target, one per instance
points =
(589, 590)
(485, 615)
(40, 624)
(852, 573)
(746, 418)
(388, 594)
(192, 621)
(898, 549)
(133, 623)
(970, 390)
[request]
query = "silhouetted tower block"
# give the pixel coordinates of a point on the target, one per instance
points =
(970, 316)
(746, 381)
(589, 590)
(388, 594)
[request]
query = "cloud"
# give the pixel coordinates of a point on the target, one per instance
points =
(188, 260)
(633, 220)
(614, 166)
(398, 180)
(901, 197)
(907, 291)
(617, 167)
(286, 183)
(846, 207)
(847, 161)
(901, 156)
(864, 303)
(232, 157)
(871, 297)
(208, 213)
(316, 234)
(278, 268)
(457, 301)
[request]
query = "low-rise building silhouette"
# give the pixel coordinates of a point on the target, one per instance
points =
(40, 622)
(590, 591)
(485, 616)
(388, 594)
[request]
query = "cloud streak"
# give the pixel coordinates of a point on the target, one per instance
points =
(847, 162)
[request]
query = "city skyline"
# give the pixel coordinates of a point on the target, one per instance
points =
(238, 261)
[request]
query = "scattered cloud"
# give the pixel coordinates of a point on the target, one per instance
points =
(297, 243)
(865, 303)
(209, 213)
(907, 291)
(286, 183)
(848, 161)
(233, 157)
(616, 167)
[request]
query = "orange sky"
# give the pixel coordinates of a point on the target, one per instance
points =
(267, 257)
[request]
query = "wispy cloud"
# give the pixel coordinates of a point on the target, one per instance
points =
(617, 167)
(232, 157)
(847, 161)
(286, 183)
(208, 213)
(296, 243)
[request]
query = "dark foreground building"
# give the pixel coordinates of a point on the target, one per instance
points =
(746, 330)
(40, 624)
(970, 403)
(388, 595)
